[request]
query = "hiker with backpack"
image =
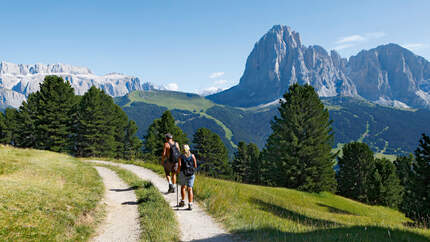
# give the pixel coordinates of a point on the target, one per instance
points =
(187, 166)
(171, 152)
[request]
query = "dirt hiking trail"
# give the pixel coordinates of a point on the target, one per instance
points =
(122, 219)
(195, 225)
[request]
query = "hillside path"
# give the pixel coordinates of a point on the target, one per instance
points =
(195, 225)
(122, 218)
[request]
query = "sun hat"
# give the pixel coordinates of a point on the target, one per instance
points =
(169, 135)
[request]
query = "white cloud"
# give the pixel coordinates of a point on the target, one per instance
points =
(341, 47)
(210, 90)
(415, 46)
(220, 82)
(349, 39)
(172, 86)
(216, 75)
(353, 40)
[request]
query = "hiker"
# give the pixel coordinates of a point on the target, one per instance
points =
(187, 166)
(171, 152)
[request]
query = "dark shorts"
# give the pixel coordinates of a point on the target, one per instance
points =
(170, 167)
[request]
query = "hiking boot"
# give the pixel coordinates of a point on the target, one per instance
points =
(171, 189)
(190, 206)
(182, 204)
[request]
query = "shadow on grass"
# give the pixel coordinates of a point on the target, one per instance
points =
(354, 233)
(139, 201)
(218, 238)
(125, 189)
(335, 210)
(292, 215)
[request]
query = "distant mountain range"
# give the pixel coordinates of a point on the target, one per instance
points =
(17, 81)
(388, 75)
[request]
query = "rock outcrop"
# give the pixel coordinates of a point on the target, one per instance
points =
(17, 81)
(388, 74)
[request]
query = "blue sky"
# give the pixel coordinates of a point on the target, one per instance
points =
(195, 45)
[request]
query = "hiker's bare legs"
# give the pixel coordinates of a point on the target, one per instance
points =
(168, 178)
(173, 177)
(190, 194)
(183, 192)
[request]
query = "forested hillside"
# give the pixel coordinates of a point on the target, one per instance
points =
(386, 130)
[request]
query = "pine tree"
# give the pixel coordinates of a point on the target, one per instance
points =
(25, 125)
(132, 144)
(356, 176)
(299, 149)
(53, 119)
(155, 138)
(420, 195)
(255, 166)
(3, 129)
(9, 126)
(404, 169)
(247, 164)
(96, 135)
(212, 153)
(240, 163)
(389, 191)
(119, 121)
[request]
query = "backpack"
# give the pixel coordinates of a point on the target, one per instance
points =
(188, 165)
(174, 153)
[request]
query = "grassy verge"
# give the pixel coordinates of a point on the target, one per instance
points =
(46, 196)
(277, 214)
(157, 220)
(260, 213)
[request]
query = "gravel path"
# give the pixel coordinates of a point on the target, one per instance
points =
(122, 218)
(195, 225)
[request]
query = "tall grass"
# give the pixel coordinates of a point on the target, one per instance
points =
(157, 220)
(277, 214)
(260, 213)
(46, 196)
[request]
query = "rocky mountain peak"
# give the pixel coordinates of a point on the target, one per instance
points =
(22, 69)
(17, 81)
(388, 74)
(278, 60)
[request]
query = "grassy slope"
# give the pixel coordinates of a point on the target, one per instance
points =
(181, 101)
(157, 219)
(278, 214)
(46, 196)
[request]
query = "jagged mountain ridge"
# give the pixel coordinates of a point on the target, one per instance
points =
(389, 74)
(17, 81)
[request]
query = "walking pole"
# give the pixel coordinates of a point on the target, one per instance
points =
(177, 196)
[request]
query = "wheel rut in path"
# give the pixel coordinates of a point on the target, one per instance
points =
(195, 225)
(122, 218)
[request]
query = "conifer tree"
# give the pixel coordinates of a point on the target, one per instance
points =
(132, 144)
(298, 151)
(356, 176)
(3, 130)
(419, 198)
(246, 163)
(240, 162)
(119, 121)
(404, 169)
(96, 135)
(155, 138)
(389, 191)
(211, 152)
(9, 128)
(256, 168)
(25, 125)
(54, 117)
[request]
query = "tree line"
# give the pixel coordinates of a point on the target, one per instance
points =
(56, 119)
(298, 155)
